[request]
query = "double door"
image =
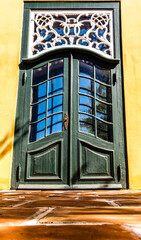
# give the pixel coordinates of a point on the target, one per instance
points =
(73, 129)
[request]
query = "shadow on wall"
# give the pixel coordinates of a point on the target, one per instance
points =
(6, 144)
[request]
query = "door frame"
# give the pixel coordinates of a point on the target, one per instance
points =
(24, 61)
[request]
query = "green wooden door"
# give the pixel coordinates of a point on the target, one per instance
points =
(71, 118)
(97, 139)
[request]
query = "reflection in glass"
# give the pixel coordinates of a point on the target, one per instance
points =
(86, 68)
(103, 93)
(55, 86)
(86, 86)
(87, 102)
(39, 75)
(39, 92)
(86, 123)
(54, 123)
(38, 111)
(104, 111)
(105, 131)
(102, 75)
(43, 101)
(85, 109)
(98, 103)
(55, 104)
(37, 131)
(56, 68)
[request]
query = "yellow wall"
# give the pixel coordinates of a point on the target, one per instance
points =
(10, 39)
(131, 40)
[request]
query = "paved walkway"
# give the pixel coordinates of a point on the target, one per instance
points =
(70, 215)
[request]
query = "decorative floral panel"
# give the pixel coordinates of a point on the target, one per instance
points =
(87, 29)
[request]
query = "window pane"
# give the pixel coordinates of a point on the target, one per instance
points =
(39, 93)
(86, 68)
(103, 93)
(55, 86)
(37, 131)
(55, 104)
(102, 75)
(86, 123)
(54, 123)
(104, 111)
(56, 68)
(86, 104)
(39, 75)
(104, 131)
(86, 86)
(38, 111)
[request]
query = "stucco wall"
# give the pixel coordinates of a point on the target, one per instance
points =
(131, 41)
(10, 38)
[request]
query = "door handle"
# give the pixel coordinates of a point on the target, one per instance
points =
(66, 121)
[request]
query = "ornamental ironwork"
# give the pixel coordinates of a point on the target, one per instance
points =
(91, 29)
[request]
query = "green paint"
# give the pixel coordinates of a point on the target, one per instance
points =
(69, 159)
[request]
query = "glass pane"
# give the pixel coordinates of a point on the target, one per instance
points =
(102, 75)
(56, 68)
(55, 86)
(86, 86)
(55, 104)
(86, 123)
(104, 111)
(105, 131)
(54, 123)
(86, 104)
(103, 93)
(38, 111)
(37, 131)
(39, 93)
(39, 75)
(86, 68)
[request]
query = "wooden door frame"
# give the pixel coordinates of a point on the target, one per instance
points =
(24, 61)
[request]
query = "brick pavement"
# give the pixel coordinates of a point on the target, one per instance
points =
(65, 215)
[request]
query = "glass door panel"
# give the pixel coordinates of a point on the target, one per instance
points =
(95, 100)
(47, 100)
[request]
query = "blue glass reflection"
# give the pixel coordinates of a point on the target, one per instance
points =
(55, 104)
(39, 92)
(86, 86)
(55, 86)
(54, 123)
(38, 111)
(37, 131)
(86, 104)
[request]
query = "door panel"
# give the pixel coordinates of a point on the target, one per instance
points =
(95, 163)
(44, 164)
(70, 117)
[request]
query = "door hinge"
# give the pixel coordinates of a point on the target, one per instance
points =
(118, 173)
(18, 174)
(114, 78)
